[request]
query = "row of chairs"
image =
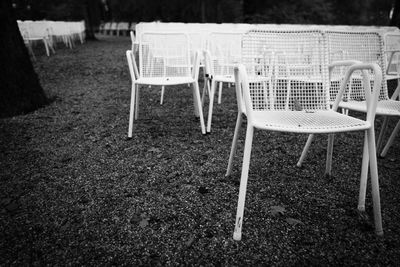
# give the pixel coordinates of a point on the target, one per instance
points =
(51, 32)
(287, 81)
(117, 28)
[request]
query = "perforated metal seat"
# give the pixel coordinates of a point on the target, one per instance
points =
(308, 122)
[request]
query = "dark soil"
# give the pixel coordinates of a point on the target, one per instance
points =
(74, 190)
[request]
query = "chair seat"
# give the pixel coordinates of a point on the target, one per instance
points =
(325, 121)
(224, 78)
(164, 80)
(231, 78)
(392, 76)
(385, 107)
(35, 38)
(304, 79)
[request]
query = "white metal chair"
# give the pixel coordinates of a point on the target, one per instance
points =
(34, 31)
(223, 52)
(122, 27)
(107, 28)
(113, 28)
(61, 30)
(392, 50)
(302, 107)
(170, 66)
(366, 47)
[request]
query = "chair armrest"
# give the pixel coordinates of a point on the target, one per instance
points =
(372, 98)
(392, 53)
(342, 63)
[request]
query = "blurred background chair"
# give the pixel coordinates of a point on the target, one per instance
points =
(298, 102)
(34, 31)
(223, 52)
(164, 60)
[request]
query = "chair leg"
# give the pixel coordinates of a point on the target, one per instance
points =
(132, 110)
(46, 46)
(305, 150)
(234, 143)
(195, 106)
(29, 45)
(162, 95)
(329, 152)
(391, 139)
(364, 175)
(374, 182)
(211, 105)
(137, 102)
(197, 99)
(220, 93)
(206, 88)
(237, 235)
(382, 133)
(51, 46)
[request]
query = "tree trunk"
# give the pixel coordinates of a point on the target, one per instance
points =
(20, 90)
(92, 14)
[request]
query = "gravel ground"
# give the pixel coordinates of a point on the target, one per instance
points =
(76, 191)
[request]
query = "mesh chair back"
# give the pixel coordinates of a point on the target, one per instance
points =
(392, 44)
(366, 47)
(38, 29)
(297, 61)
(195, 44)
(225, 51)
(164, 55)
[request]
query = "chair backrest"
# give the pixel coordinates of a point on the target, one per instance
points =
(366, 47)
(113, 26)
(305, 83)
(224, 51)
(123, 26)
(392, 50)
(164, 55)
(107, 26)
(60, 28)
(39, 29)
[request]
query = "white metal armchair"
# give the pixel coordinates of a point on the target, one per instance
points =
(365, 47)
(299, 103)
(222, 53)
(164, 60)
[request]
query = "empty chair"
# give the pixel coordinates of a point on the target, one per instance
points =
(298, 102)
(392, 41)
(164, 60)
(22, 26)
(77, 30)
(61, 30)
(34, 31)
(365, 47)
(223, 51)
(122, 28)
(113, 28)
(107, 28)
